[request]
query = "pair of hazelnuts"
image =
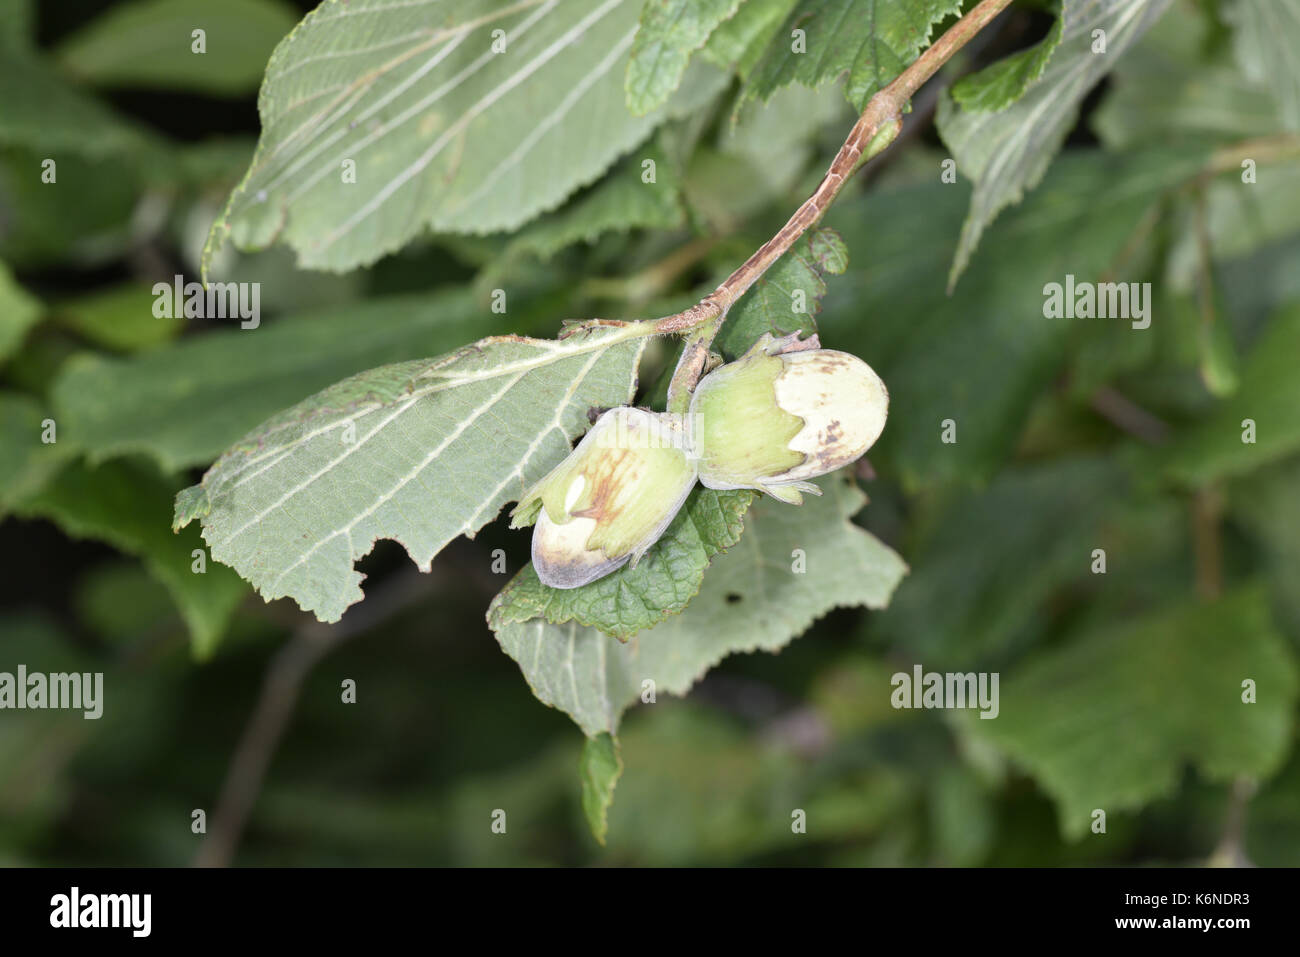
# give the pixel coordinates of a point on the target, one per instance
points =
(769, 421)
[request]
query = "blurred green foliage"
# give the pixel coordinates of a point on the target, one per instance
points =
(1120, 691)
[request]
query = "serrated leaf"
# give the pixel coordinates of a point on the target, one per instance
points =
(127, 507)
(670, 31)
(998, 86)
(185, 403)
(1177, 676)
(419, 452)
(19, 311)
(872, 41)
(633, 599)
(739, 43)
(752, 598)
(621, 202)
(599, 772)
(149, 44)
(447, 129)
(787, 296)
(1267, 34)
(1007, 152)
(1269, 396)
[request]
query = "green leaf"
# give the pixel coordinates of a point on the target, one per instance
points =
(1239, 219)
(119, 318)
(1176, 677)
(17, 26)
(37, 745)
(185, 403)
(1007, 152)
(1267, 33)
(702, 787)
(733, 184)
(787, 296)
(621, 202)
(84, 217)
(998, 86)
(738, 43)
(127, 507)
(992, 558)
(444, 131)
(1266, 506)
(872, 41)
(670, 31)
(963, 817)
(149, 44)
(122, 603)
(1269, 396)
(19, 311)
(632, 599)
(797, 118)
(419, 452)
(752, 598)
(26, 463)
(44, 112)
(1217, 355)
(1273, 822)
(921, 341)
(1179, 84)
(599, 771)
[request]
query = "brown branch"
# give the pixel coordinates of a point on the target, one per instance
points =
(1126, 414)
(881, 118)
(885, 107)
(876, 128)
(1263, 149)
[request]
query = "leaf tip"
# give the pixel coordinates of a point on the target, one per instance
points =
(191, 503)
(601, 767)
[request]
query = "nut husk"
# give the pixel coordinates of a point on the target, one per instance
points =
(610, 499)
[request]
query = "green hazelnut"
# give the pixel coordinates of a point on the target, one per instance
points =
(610, 500)
(774, 420)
